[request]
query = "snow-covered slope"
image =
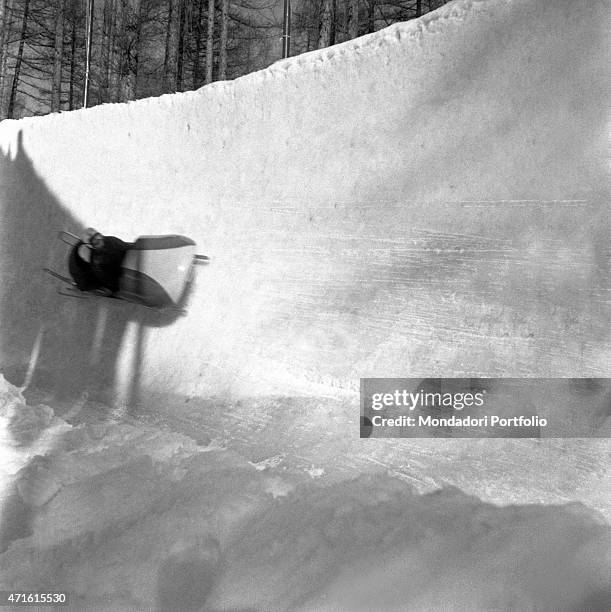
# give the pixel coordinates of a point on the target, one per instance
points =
(430, 199)
(127, 516)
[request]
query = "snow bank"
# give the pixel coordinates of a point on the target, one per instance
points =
(25, 430)
(428, 199)
(27, 433)
(130, 516)
(200, 528)
(22, 423)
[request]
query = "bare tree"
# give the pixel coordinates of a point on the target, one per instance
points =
(74, 25)
(353, 19)
(180, 53)
(223, 40)
(199, 37)
(19, 60)
(131, 50)
(170, 64)
(107, 53)
(210, 41)
(371, 16)
(326, 24)
(4, 27)
(58, 57)
(3, 15)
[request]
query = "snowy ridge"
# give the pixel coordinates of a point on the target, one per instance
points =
(431, 23)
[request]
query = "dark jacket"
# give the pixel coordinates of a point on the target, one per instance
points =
(81, 271)
(106, 261)
(104, 271)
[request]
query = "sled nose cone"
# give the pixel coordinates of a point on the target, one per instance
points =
(156, 269)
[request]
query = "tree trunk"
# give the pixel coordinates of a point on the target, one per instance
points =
(418, 8)
(223, 42)
(132, 51)
(129, 34)
(333, 37)
(353, 19)
(170, 64)
(180, 56)
(371, 16)
(166, 53)
(138, 45)
(3, 29)
(4, 9)
(107, 44)
(198, 46)
(118, 66)
(89, 36)
(324, 36)
(71, 102)
(24, 31)
(58, 57)
(210, 41)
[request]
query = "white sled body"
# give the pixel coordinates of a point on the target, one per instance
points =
(157, 269)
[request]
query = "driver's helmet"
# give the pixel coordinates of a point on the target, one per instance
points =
(92, 237)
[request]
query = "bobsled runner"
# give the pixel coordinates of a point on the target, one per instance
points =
(156, 272)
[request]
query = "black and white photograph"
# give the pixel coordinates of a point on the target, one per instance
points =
(305, 305)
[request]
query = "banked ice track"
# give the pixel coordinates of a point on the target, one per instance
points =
(428, 200)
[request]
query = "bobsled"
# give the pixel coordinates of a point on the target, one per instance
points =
(156, 271)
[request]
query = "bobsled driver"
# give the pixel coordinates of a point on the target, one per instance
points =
(95, 262)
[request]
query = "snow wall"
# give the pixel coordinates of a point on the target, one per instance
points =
(428, 200)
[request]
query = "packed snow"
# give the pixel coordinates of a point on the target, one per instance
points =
(126, 515)
(429, 200)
